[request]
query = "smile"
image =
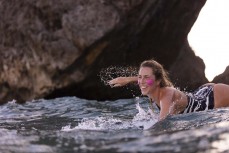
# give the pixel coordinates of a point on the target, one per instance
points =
(143, 87)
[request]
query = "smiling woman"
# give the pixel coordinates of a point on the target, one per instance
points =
(169, 99)
(209, 37)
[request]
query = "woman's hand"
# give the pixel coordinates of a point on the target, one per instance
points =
(118, 82)
(121, 81)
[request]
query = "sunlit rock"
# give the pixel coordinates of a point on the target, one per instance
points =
(57, 48)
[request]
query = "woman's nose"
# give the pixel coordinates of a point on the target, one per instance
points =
(141, 80)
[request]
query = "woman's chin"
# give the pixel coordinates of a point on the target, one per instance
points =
(144, 93)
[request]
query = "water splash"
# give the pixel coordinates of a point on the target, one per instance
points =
(143, 120)
(109, 73)
(99, 123)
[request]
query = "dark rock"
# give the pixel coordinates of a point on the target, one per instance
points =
(187, 72)
(222, 78)
(58, 48)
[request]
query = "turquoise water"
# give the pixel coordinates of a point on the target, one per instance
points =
(70, 124)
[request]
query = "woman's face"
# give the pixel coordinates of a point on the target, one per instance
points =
(146, 80)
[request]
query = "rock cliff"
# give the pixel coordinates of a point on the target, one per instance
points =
(57, 48)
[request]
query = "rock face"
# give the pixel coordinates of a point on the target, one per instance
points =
(57, 48)
(222, 78)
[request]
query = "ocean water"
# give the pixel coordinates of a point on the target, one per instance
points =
(71, 124)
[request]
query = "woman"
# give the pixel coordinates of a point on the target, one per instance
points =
(154, 82)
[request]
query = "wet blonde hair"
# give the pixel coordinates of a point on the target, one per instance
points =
(159, 72)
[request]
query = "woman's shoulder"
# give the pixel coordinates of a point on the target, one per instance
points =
(173, 91)
(169, 89)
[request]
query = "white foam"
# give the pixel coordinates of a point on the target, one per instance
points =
(99, 123)
(143, 119)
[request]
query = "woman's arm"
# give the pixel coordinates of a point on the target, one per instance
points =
(166, 103)
(164, 112)
(121, 81)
